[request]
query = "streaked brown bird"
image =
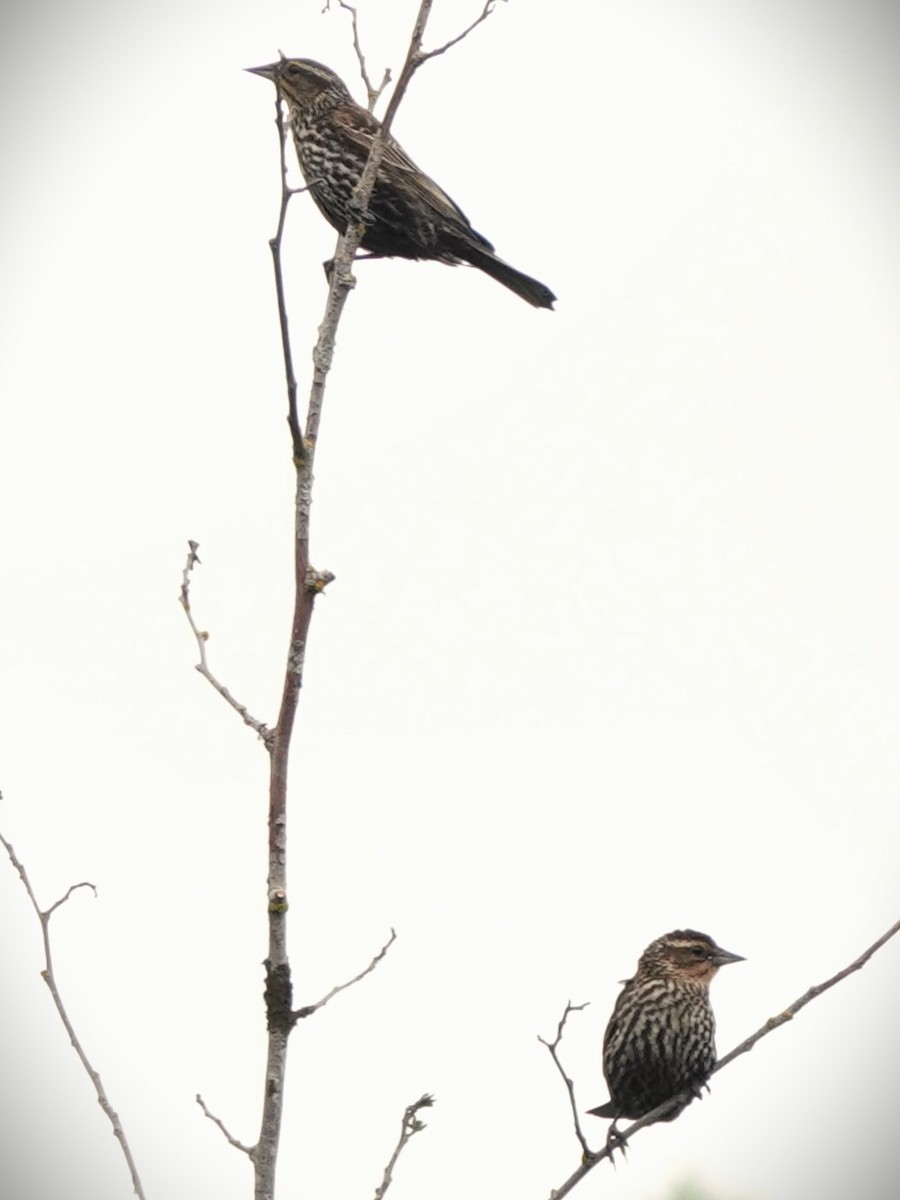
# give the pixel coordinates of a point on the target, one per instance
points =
(408, 216)
(660, 1039)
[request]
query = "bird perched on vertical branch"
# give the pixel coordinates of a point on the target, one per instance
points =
(408, 216)
(660, 1039)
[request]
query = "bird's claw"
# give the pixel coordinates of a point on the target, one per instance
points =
(615, 1141)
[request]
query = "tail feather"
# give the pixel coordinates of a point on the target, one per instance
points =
(529, 289)
(604, 1110)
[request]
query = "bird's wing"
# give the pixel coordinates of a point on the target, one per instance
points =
(360, 127)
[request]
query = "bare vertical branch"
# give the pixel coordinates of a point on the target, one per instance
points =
(49, 977)
(278, 990)
(307, 584)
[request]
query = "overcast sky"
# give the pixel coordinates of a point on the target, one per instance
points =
(613, 646)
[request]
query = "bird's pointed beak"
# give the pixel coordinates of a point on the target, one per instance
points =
(267, 72)
(723, 957)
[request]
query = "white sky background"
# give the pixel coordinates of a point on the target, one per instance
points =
(613, 646)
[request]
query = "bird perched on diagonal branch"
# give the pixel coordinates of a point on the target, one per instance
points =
(660, 1039)
(408, 216)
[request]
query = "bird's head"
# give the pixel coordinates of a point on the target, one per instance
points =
(301, 81)
(685, 954)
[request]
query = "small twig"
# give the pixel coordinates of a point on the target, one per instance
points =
(298, 191)
(202, 637)
(74, 888)
(410, 1126)
(424, 55)
(232, 1141)
(570, 1086)
(372, 93)
(685, 1097)
(48, 976)
(309, 1009)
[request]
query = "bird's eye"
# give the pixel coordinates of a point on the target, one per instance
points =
(698, 952)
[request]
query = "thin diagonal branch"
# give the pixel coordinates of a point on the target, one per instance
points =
(409, 1127)
(570, 1086)
(48, 976)
(485, 13)
(309, 1009)
(232, 1141)
(202, 637)
(773, 1023)
(791, 1011)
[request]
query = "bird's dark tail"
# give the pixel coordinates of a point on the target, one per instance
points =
(529, 289)
(604, 1110)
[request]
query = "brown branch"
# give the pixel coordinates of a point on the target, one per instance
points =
(307, 585)
(309, 1009)
(773, 1023)
(570, 1086)
(49, 977)
(280, 1018)
(409, 1127)
(232, 1141)
(202, 637)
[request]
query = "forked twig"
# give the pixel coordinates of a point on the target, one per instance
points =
(309, 1009)
(409, 1127)
(570, 1086)
(372, 93)
(48, 976)
(773, 1023)
(202, 637)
